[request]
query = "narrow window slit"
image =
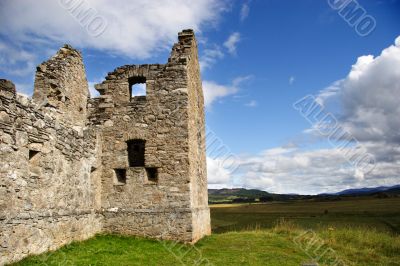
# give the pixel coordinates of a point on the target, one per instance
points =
(120, 176)
(152, 174)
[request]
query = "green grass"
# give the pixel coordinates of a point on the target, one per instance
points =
(249, 248)
(277, 246)
(354, 232)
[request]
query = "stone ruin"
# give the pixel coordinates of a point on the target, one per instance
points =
(74, 166)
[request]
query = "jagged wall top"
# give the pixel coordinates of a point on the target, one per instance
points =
(61, 83)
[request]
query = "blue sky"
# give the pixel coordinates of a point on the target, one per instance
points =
(257, 59)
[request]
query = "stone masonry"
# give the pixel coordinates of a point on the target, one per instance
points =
(72, 166)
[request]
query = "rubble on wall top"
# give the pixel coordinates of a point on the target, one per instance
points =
(7, 88)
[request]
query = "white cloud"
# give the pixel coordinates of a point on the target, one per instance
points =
(290, 170)
(232, 42)
(214, 91)
(252, 103)
(134, 28)
(329, 93)
(244, 11)
(16, 62)
(210, 57)
(217, 174)
(369, 97)
(291, 80)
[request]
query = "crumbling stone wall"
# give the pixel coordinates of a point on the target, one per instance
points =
(61, 82)
(72, 166)
(47, 189)
(197, 155)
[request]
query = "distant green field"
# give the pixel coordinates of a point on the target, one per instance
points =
(362, 231)
(379, 214)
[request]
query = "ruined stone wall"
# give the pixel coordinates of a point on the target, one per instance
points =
(69, 165)
(47, 179)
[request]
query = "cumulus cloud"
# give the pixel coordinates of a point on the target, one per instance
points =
(370, 96)
(130, 28)
(231, 42)
(366, 106)
(214, 91)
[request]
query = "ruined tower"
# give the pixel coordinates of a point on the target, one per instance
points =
(73, 166)
(154, 173)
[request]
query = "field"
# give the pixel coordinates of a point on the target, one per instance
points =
(362, 212)
(357, 231)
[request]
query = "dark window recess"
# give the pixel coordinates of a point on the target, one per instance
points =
(136, 150)
(32, 154)
(152, 174)
(137, 86)
(120, 175)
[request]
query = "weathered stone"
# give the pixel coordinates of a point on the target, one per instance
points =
(4, 117)
(72, 167)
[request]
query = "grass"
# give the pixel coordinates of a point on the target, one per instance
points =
(249, 248)
(350, 237)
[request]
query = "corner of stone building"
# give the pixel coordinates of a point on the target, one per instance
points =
(186, 52)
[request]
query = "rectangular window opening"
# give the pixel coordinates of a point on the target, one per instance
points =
(137, 87)
(136, 152)
(152, 174)
(120, 176)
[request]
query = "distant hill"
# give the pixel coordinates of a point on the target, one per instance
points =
(242, 195)
(226, 195)
(239, 195)
(240, 192)
(368, 191)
